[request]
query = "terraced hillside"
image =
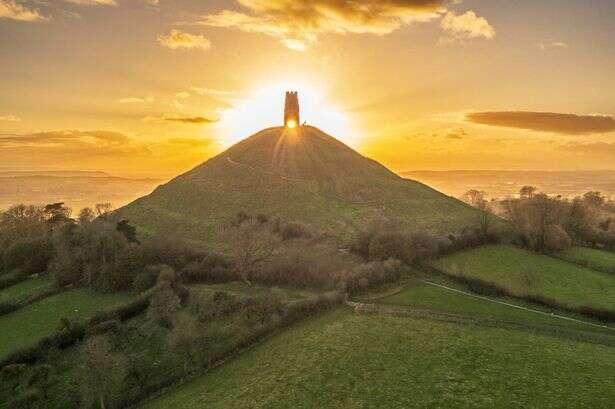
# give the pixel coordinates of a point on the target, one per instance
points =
(298, 175)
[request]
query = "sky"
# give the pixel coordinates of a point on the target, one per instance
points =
(154, 87)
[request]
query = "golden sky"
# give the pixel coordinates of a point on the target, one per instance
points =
(154, 87)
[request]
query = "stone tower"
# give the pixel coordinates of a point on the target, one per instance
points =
(291, 110)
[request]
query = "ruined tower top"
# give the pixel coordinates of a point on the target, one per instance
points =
(291, 110)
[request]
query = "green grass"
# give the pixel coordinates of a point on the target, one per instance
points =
(420, 295)
(30, 324)
(242, 289)
(597, 259)
(344, 360)
(25, 289)
(525, 273)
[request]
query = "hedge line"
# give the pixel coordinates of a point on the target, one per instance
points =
(294, 312)
(493, 290)
(14, 305)
(8, 280)
(74, 332)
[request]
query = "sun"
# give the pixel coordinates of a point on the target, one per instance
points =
(264, 108)
(291, 124)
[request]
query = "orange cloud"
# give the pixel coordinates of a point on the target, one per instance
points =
(466, 26)
(112, 151)
(298, 24)
(12, 10)
(180, 40)
(569, 124)
(9, 118)
(93, 2)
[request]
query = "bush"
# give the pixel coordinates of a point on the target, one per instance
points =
(369, 274)
(211, 268)
(144, 281)
(556, 239)
(304, 266)
(32, 256)
(294, 231)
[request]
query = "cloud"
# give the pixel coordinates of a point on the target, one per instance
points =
(544, 45)
(99, 149)
(65, 137)
(298, 24)
(180, 40)
(212, 92)
(93, 2)
(182, 95)
(9, 9)
(133, 100)
(592, 148)
(568, 124)
(9, 118)
(465, 26)
(195, 120)
(456, 134)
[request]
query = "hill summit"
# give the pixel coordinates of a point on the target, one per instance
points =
(299, 174)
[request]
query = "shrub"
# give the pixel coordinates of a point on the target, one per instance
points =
(294, 231)
(30, 256)
(556, 239)
(211, 268)
(391, 245)
(163, 305)
(144, 281)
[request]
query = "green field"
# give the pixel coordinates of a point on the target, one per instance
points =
(597, 259)
(25, 289)
(344, 360)
(242, 289)
(420, 295)
(525, 273)
(30, 324)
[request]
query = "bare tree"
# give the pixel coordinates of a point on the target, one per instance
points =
(86, 215)
(101, 373)
(251, 243)
(478, 200)
(103, 209)
(527, 192)
(594, 199)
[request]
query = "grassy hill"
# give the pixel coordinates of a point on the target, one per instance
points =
(525, 273)
(299, 175)
(345, 360)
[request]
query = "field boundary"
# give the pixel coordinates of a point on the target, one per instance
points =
(586, 264)
(484, 287)
(576, 335)
(19, 303)
(480, 297)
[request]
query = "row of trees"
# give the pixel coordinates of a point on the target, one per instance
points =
(549, 223)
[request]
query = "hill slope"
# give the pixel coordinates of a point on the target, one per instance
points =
(300, 175)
